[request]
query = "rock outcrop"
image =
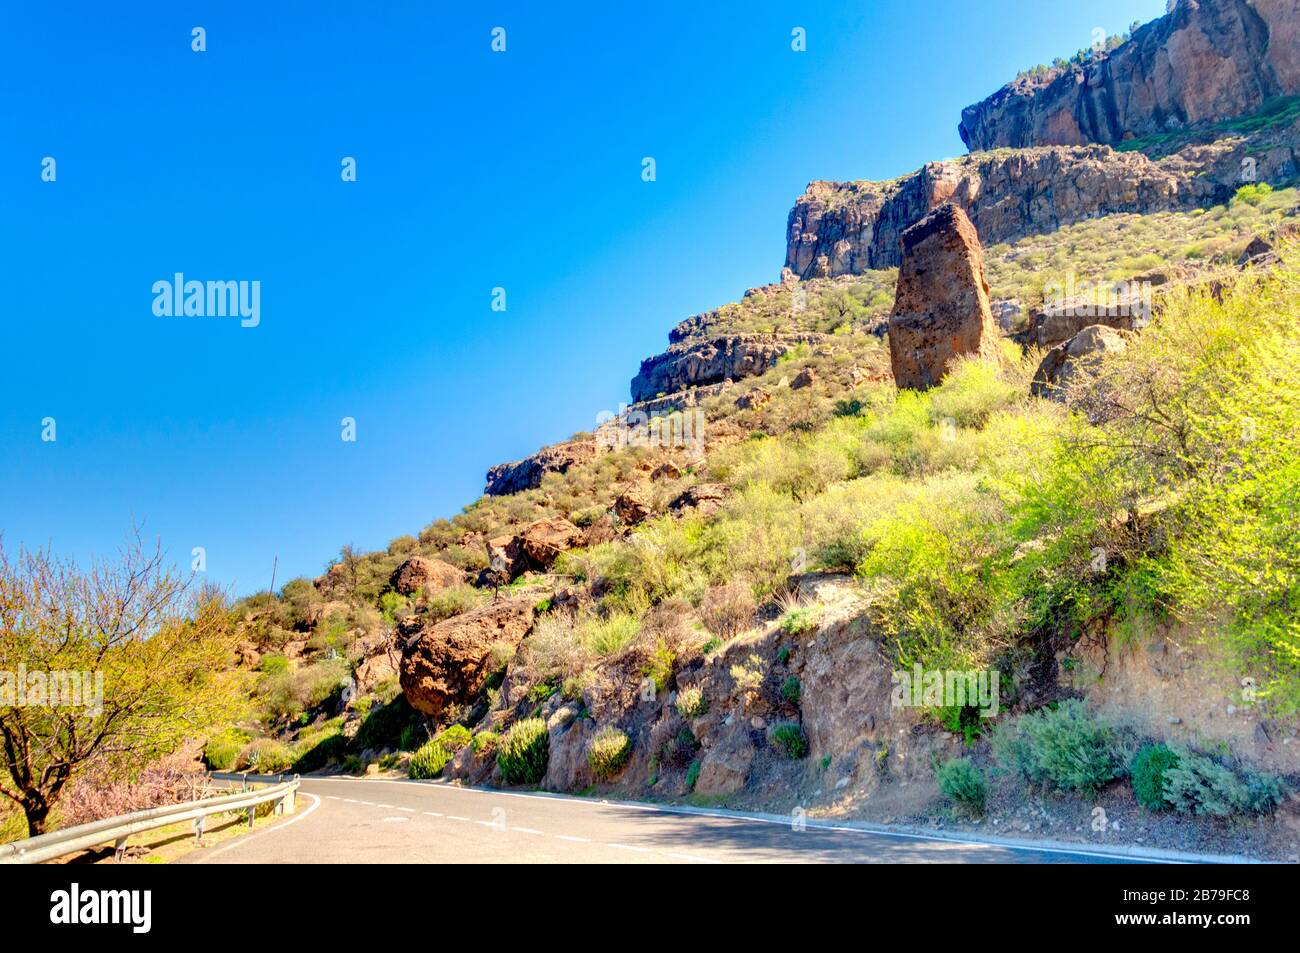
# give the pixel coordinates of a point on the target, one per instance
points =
(1205, 61)
(1063, 361)
(846, 228)
(711, 362)
(448, 663)
(941, 310)
(526, 474)
(535, 547)
(421, 572)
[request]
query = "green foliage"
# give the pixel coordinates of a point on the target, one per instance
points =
(692, 775)
(223, 748)
(1253, 194)
(605, 636)
(799, 621)
(523, 751)
(383, 725)
(691, 703)
(484, 743)
(608, 752)
(412, 738)
(265, 756)
(455, 600)
(319, 752)
(1065, 748)
(1202, 786)
(789, 735)
(1147, 775)
(790, 690)
(429, 761)
(961, 782)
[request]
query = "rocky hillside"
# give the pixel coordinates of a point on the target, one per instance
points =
(920, 447)
(1207, 60)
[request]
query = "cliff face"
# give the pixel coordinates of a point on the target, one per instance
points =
(847, 228)
(1207, 60)
(711, 362)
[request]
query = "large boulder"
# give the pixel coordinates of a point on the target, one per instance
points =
(1062, 362)
(535, 547)
(421, 572)
(941, 310)
(724, 769)
(448, 663)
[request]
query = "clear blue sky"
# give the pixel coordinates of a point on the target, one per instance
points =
(475, 170)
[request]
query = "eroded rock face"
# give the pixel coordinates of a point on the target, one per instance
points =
(632, 507)
(703, 498)
(941, 310)
(846, 228)
(526, 474)
(711, 362)
(1061, 363)
(724, 769)
(421, 572)
(447, 663)
(1206, 60)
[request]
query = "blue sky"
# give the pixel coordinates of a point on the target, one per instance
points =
(475, 170)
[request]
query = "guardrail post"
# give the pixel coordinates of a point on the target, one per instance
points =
(288, 803)
(119, 850)
(252, 813)
(198, 829)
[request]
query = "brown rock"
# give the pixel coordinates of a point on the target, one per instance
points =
(803, 379)
(725, 766)
(421, 572)
(941, 309)
(705, 498)
(447, 663)
(666, 471)
(632, 507)
(534, 547)
(1206, 60)
(732, 357)
(1063, 361)
(754, 399)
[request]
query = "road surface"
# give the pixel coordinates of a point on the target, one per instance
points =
(341, 820)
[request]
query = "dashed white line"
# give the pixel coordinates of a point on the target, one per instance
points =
(387, 806)
(349, 800)
(576, 840)
(454, 817)
(332, 797)
(408, 810)
(432, 813)
(528, 830)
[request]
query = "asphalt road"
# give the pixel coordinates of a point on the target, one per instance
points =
(342, 820)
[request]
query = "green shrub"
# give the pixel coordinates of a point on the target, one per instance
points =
(429, 761)
(790, 736)
(1202, 786)
(799, 621)
(222, 749)
(412, 738)
(961, 782)
(692, 774)
(523, 751)
(1065, 748)
(265, 756)
(484, 743)
(1253, 194)
(1147, 773)
(608, 752)
(790, 690)
(691, 703)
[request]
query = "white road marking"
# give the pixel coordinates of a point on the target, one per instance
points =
(433, 814)
(453, 817)
(349, 800)
(332, 797)
(528, 830)
(316, 802)
(391, 819)
(385, 806)
(576, 840)
(408, 810)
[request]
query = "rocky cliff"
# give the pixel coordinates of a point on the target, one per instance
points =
(686, 365)
(838, 228)
(1205, 61)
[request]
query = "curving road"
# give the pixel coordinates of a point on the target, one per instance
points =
(341, 820)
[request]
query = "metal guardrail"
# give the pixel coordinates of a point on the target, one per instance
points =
(35, 850)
